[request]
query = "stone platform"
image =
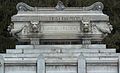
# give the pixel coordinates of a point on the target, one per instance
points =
(60, 59)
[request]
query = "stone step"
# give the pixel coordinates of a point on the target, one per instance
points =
(61, 58)
(14, 51)
(53, 50)
(61, 55)
(61, 71)
(64, 62)
(58, 59)
(92, 46)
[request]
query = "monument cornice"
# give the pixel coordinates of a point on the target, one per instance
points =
(61, 18)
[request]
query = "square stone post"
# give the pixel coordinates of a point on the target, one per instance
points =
(81, 64)
(2, 68)
(40, 64)
(34, 41)
(119, 64)
(86, 41)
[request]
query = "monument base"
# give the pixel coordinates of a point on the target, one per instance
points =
(60, 59)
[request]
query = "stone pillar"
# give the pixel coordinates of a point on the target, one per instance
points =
(1, 64)
(119, 64)
(40, 64)
(81, 64)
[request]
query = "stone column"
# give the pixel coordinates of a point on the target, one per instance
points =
(1, 64)
(40, 64)
(81, 64)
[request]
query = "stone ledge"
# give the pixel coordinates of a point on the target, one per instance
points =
(92, 46)
(14, 51)
(58, 50)
(60, 62)
(62, 55)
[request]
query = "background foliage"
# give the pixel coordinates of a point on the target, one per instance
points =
(8, 8)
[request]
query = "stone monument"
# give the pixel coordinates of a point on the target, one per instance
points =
(61, 40)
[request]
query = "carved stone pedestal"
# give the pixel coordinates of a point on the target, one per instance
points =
(60, 59)
(71, 24)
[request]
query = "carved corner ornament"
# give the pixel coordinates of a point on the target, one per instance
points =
(24, 7)
(14, 32)
(98, 6)
(105, 29)
(60, 6)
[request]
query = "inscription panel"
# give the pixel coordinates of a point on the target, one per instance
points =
(60, 27)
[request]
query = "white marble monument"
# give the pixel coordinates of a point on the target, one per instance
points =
(61, 41)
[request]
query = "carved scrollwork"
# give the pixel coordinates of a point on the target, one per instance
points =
(24, 7)
(105, 29)
(10, 27)
(98, 6)
(14, 32)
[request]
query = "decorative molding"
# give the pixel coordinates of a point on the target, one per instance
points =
(61, 18)
(24, 7)
(98, 6)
